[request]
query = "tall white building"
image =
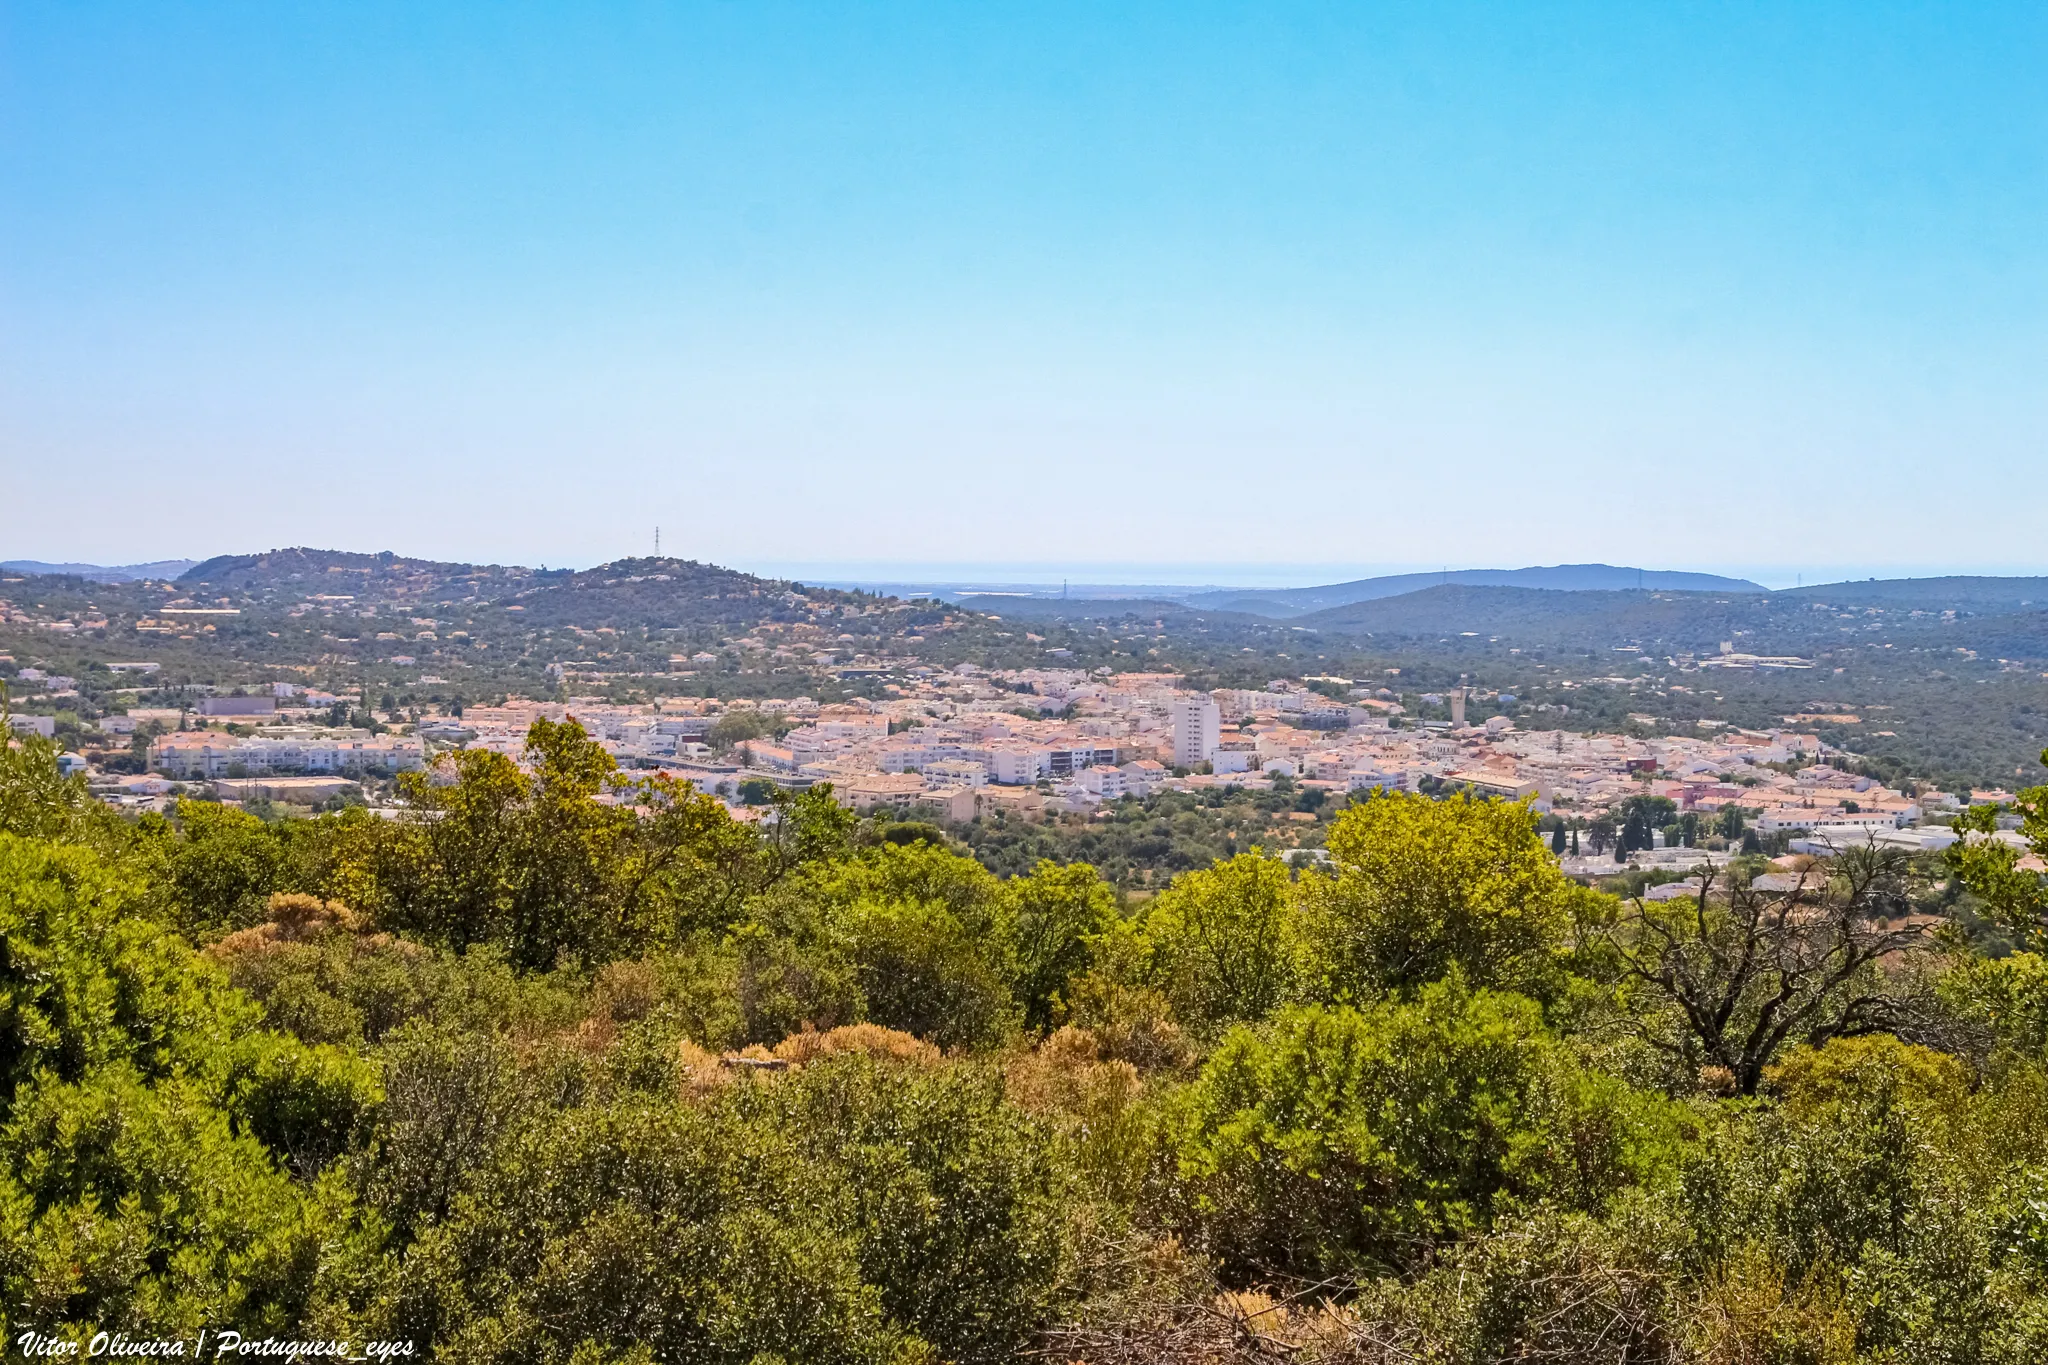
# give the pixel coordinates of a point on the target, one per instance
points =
(1018, 764)
(1196, 725)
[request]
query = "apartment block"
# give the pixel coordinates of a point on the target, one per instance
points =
(1197, 728)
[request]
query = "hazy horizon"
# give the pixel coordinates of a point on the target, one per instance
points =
(1128, 574)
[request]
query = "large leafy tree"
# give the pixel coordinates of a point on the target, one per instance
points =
(1224, 940)
(1425, 886)
(1050, 923)
(920, 926)
(574, 860)
(214, 869)
(38, 801)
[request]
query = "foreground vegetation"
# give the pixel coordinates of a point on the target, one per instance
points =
(571, 1068)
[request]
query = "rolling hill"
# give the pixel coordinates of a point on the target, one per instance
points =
(164, 569)
(291, 574)
(1683, 620)
(1961, 592)
(655, 593)
(1696, 623)
(1290, 602)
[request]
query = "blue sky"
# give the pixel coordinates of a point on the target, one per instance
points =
(1748, 287)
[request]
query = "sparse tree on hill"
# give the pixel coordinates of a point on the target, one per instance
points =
(1635, 831)
(1743, 974)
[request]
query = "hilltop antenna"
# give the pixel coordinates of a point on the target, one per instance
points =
(657, 542)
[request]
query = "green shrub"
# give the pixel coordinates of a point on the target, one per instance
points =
(1225, 941)
(1344, 1139)
(137, 1206)
(308, 1104)
(82, 985)
(955, 1195)
(922, 971)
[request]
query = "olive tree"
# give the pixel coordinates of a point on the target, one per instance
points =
(1733, 973)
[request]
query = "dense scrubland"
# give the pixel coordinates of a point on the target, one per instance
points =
(571, 1067)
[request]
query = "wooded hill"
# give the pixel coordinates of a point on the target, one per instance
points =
(2000, 618)
(657, 593)
(1996, 619)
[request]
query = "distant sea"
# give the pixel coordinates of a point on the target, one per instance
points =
(1051, 574)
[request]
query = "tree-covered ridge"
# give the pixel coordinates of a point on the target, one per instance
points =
(658, 593)
(298, 570)
(573, 1066)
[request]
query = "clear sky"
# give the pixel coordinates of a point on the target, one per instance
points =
(1760, 287)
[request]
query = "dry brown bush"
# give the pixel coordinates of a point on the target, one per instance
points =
(1749, 1315)
(1249, 1327)
(290, 917)
(698, 1072)
(627, 991)
(594, 1035)
(1067, 1075)
(1132, 1024)
(870, 1040)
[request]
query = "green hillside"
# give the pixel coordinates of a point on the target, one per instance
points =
(1697, 623)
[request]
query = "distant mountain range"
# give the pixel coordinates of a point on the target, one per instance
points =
(104, 573)
(1689, 619)
(1285, 603)
(1567, 598)
(2000, 617)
